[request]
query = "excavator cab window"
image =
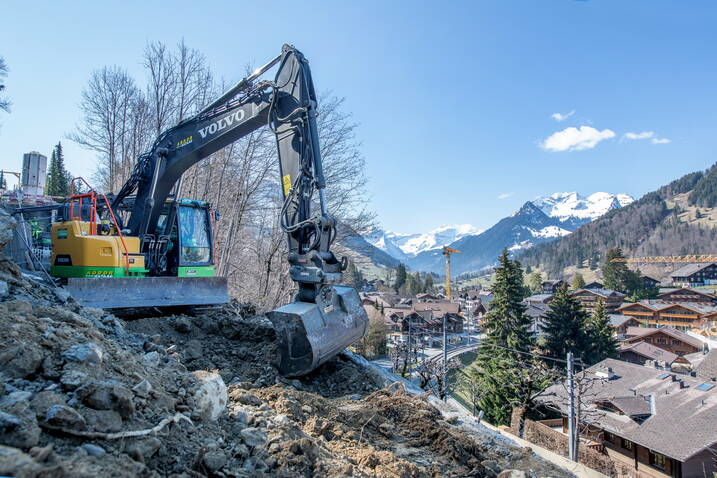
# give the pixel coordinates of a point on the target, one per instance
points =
(195, 243)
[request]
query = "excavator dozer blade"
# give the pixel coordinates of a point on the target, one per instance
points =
(130, 292)
(310, 334)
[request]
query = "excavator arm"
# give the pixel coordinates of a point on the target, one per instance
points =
(324, 317)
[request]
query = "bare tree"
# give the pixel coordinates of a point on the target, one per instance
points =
(162, 82)
(4, 103)
(433, 377)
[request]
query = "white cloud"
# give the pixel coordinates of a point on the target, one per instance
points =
(643, 135)
(505, 195)
(660, 140)
(576, 139)
(562, 116)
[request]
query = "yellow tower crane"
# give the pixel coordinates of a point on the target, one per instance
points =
(693, 258)
(447, 251)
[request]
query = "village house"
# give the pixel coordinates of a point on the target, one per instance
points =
(682, 316)
(649, 422)
(641, 353)
(551, 286)
(594, 285)
(650, 282)
(426, 316)
(620, 324)
(666, 338)
(589, 299)
(695, 275)
(538, 299)
(682, 294)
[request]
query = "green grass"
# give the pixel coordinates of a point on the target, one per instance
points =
(460, 395)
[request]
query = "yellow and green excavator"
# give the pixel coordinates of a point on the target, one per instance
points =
(143, 247)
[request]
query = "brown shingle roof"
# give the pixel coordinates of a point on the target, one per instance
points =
(684, 421)
(639, 333)
(649, 351)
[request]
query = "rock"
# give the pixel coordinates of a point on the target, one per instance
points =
(45, 400)
(386, 429)
(210, 395)
(182, 325)
(4, 289)
(192, 350)
(215, 460)
(71, 379)
(8, 422)
(143, 388)
(93, 450)
(107, 396)
(246, 399)
(151, 359)
(7, 227)
(21, 360)
(107, 421)
(63, 416)
(88, 353)
(14, 462)
(146, 448)
(253, 436)
(61, 294)
(512, 474)
(14, 398)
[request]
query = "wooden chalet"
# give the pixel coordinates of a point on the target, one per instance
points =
(695, 275)
(681, 316)
(589, 299)
(684, 294)
(666, 338)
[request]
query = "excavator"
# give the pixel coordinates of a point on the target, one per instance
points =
(144, 247)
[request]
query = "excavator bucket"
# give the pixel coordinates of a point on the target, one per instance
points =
(130, 292)
(311, 333)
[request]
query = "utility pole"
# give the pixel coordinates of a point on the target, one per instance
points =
(445, 359)
(572, 449)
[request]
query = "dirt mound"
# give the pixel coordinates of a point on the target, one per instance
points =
(85, 394)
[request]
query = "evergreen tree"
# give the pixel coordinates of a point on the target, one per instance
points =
(578, 281)
(58, 178)
(400, 277)
(428, 283)
(3, 181)
(614, 273)
(603, 343)
(506, 327)
(564, 326)
(534, 282)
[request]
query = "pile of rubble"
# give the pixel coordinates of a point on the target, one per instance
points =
(86, 394)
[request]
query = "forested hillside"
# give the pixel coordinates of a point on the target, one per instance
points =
(679, 218)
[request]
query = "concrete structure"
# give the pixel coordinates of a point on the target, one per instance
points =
(34, 173)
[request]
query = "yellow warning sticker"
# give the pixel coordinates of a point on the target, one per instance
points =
(286, 180)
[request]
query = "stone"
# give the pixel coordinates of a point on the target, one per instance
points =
(21, 360)
(143, 388)
(61, 294)
(88, 353)
(14, 462)
(15, 398)
(93, 450)
(192, 350)
(151, 358)
(386, 429)
(253, 436)
(512, 474)
(107, 396)
(246, 399)
(8, 422)
(182, 325)
(41, 402)
(210, 395)
(63, 416)
(215, 460)
(145, 448)
(4, 289)
(107, 421)
(19, 421)
(71, 379)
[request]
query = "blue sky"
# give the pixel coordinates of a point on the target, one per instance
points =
(454, 99)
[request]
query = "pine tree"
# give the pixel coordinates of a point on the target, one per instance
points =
(58, 178)
(603, 343)
(400, 277)
(506, 327)
(534, 282)
(614, 273)
(578, 281)
(564, 326)
(428, 284)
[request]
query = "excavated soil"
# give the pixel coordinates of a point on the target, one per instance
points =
(86, 394)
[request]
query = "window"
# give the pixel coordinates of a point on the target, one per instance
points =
(657, 460)
(705, 387)
(194, 235)
(626, 444)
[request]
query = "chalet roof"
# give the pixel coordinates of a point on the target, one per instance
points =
(679, 428)
(536, 310)
(594, 285)
(707, 368)
(539, 298)
(632, 405)
(439, 309)
(616, 320)
(604, 293)
(657, 305)
(552, 282)
(685, 289)
(425, 296)
(689, 269)
(639, 333)
(650, 352)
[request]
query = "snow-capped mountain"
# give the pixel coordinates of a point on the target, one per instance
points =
(405, 246)
(540, 220)
(576, 210)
